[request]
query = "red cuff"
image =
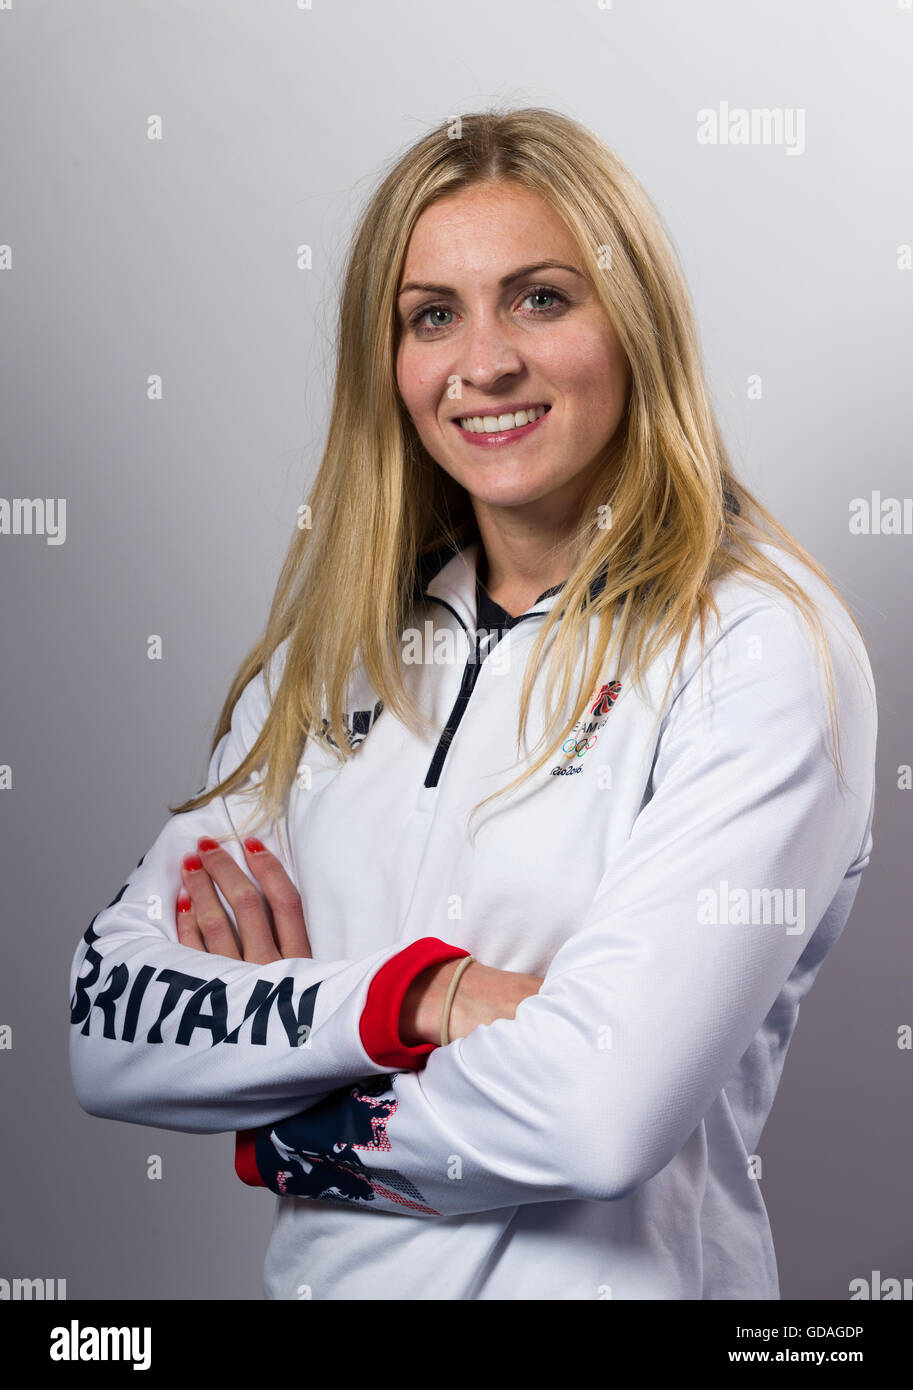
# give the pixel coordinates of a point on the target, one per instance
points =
(245, 1158)
(379, 1024)
(378, 1028)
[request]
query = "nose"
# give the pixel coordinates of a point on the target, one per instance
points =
(487, 352)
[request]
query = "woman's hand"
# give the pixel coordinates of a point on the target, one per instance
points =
(483, 994)
(270, 924)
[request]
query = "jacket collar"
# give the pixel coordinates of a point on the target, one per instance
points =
(451, 575)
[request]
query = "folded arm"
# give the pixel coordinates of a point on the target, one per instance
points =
(644, 1013)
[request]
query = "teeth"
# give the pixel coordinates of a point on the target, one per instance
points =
(493, 424)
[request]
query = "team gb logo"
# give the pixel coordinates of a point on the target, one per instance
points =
(585, 733)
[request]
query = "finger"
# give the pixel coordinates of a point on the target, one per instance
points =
(289, 927)
(212, 920)
(245, 900)
(186, 918)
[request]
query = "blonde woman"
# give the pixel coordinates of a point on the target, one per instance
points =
(566, 780)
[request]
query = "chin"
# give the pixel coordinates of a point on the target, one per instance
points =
(508, 497)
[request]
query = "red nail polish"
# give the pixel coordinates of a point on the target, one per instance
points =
(255, 846)
(184, 903)
(192, 861)
(204, 843)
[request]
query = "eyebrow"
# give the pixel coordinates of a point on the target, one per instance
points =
(503, 282)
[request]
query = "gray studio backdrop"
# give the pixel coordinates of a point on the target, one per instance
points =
(125, 257)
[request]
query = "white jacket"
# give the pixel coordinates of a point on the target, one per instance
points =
(678, 884)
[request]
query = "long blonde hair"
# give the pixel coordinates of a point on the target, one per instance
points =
(679, 518)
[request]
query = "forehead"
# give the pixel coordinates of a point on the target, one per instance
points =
(487, 226)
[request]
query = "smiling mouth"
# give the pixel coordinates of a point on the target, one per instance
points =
(501, 424)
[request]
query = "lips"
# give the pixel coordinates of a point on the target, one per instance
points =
(488, 432)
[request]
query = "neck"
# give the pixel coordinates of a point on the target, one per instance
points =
(515, 576)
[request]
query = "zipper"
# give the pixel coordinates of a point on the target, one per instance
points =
(467, 685)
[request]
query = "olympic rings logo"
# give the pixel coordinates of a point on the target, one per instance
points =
(575, 748)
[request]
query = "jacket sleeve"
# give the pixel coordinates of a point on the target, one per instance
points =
(646, 1010)
(162, 1034)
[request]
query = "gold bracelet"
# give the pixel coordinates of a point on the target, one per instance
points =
(448, 1002)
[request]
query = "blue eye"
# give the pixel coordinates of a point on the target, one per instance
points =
(543, 293)
(433, 309)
